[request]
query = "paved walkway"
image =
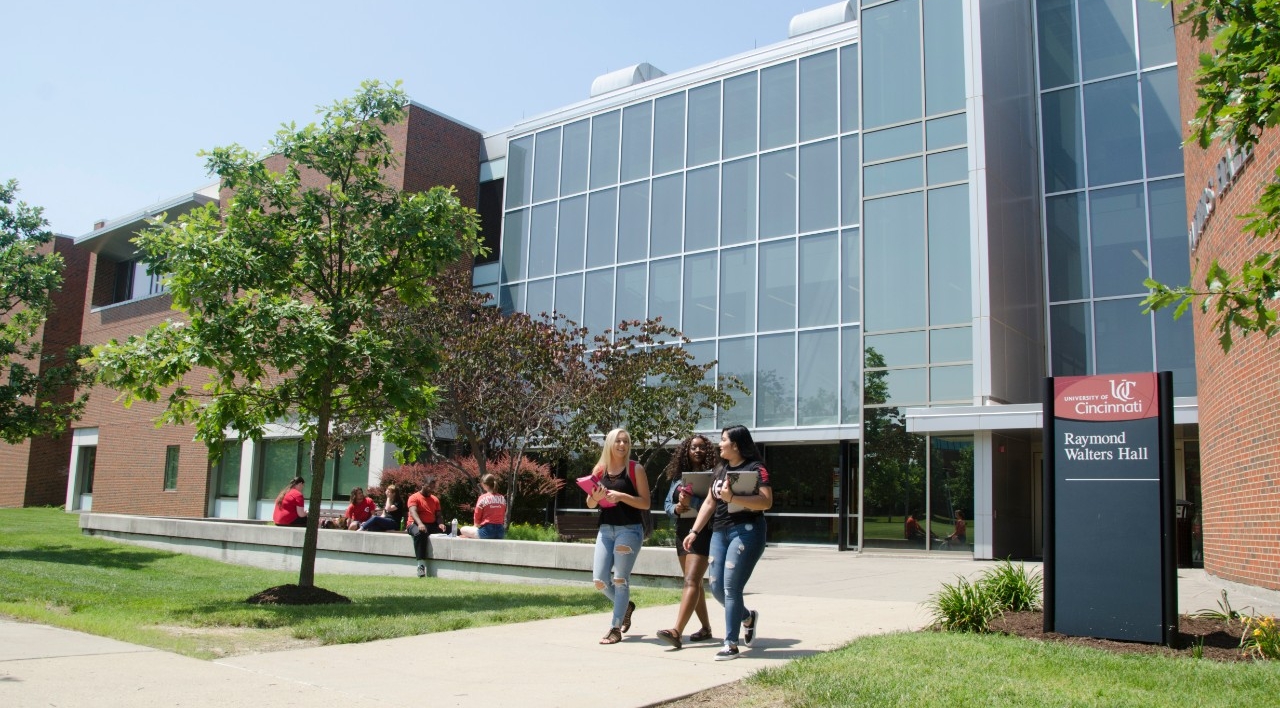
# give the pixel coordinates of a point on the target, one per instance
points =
(810, 600)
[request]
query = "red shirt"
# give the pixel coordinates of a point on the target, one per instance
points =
(491, 509)
(428, 507)
(362, 510)
(287, 508)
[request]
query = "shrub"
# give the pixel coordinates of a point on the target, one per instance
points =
(662, 536)
(1012, 588)
(532, 532)
(457, 484)
(963, 607)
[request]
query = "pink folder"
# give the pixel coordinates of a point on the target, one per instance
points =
(588, 484)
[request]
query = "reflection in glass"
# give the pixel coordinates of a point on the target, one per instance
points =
(819, 280)
(1118, 226)
(511, 298)
(891, 72)
(515, 238)
(951, 493)
(738, 202)
(1155, 34)
(950, 344)
(1106, 37)
(778, 193)
(777, 285)
(893, 483)
(850, 276)
(542, 240)
(702, 208)
(944, 56)
(668, 133)
(1175, 351)
(668, 195)
(848, 89)
(850, 375)
(546, 166)
(818, 373)
(1068, 247)
(819, 179)
(704, 124)
(737, 290)
(519, 171)
(895, 267)
(899, 348)
(569, 297)
(850, 168)
(538, 297)
(1056, 21)
(602, 228)
(700, 295)
(629, 299)
(1161, 127)
(1113, 132)
(737, 358)
(775, 380)
(1123, 341)
(571, 234)
(637, 131)
(778, 105)
(818, 96)
(664, 291)
(604, 149)
(597, 313)
(740, 113)
(1170, 260)
(1063, 140)
(811, 487)
(573, 160)
(633, 222)
(704, 353)
(1071, 333)
(949, 277)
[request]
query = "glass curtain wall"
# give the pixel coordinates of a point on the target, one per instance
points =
(1114, 205)
(917, 340)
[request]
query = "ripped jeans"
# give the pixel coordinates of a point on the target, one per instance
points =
(616, 550)
(734, 554)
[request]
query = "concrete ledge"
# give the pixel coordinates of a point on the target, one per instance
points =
(361, 553)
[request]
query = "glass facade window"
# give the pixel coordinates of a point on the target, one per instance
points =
(633, 222)
(819, 182)
(778, 106)
(1124, 336)
(848, 89)
(700, 295)
(778, 193)
(704, 125)
(519, 171)
(171, 467)
(738, 202)
(740, 111)
(540, 297)
(945, 132)
(818, 372)
(850, 276)
(949, 277)
(702, 208)
(1063, 146)
(1113, 131)
(602, 228)
(226, 471)
(637, 134)
(1056, 23)
(597, 308)
(737, 291)
(819, 289)
(894, 248)
(574, 149)
(668, 133)
(818, 96)
(850, 185)
(889, 143)
(1068, 244)
(850, 378)
(950, 345)
(775, 380)
(605, 131)
(1155, 34)
(664, 291)
(777, 308)
(889, 177)
(542, 240)
(737, 358)
(1161, 128)
(665, 237)
(1118, 226)
(568, 300)
(891, 73)
(1071, 337)
(546, 165)
(1106, 37)
(629, 301)
(944, 85)
(571, 234)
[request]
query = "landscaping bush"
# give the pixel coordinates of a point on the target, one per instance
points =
(1012, 587)
(532, 532)
(963, 607)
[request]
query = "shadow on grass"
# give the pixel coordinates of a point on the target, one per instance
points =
(123, 558)
(394, 605)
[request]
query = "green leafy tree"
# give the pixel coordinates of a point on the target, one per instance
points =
(36, 389)
(284, 292)
(1238, 86)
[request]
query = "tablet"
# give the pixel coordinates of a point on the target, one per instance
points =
(700, 482)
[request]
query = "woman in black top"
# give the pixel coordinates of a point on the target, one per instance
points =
(738, 533)
(622, 494)
(692, 455)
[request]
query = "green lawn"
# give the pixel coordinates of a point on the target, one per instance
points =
(50, 573)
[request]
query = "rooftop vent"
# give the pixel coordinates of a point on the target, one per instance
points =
(622, 78)
(822, 18)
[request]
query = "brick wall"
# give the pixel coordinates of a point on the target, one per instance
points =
(1239, 392)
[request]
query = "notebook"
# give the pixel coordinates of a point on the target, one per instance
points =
(700, 483)
(589, 484)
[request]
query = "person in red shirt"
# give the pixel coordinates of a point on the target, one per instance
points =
(291, 508)
(424, 520)
(491, 510)
(359, 510)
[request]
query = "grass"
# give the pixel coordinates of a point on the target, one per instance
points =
(52, 574)
(930, 668)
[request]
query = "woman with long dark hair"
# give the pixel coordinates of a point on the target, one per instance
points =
(738, 533)
(622, 494)
(694, 454)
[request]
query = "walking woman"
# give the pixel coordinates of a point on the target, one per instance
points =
(692, 455)
(291, 508)
(622, 495)
(738, 534)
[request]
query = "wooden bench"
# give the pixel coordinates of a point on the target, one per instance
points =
(575, 526)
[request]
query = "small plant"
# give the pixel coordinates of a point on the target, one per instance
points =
(662, 536)
(963, 607)
(1261, 637)
(531, 532)
(1224, 612)
(1012, 587)
(1197, 649)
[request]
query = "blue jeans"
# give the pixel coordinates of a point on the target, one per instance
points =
(492, 531)
(616, 550)
(734, 554)
(380, 523)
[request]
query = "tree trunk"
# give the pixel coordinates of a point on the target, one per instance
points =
(319, 456)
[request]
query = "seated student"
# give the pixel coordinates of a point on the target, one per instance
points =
(393, 512)
(359, 510)
(911, 529)
(491, 510)
(291, 508)
(960, 536)
(424, 520)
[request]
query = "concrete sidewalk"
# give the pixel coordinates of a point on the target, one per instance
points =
(810, 600)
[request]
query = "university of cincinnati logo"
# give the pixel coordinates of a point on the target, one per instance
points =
(1122, 390)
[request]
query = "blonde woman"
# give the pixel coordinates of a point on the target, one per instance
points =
(622, 495)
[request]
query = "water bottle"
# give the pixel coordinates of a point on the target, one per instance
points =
(453, 528)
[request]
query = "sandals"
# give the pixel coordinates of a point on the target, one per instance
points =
(701, 635)
(670, 636)
(613, 637)
(626, 619)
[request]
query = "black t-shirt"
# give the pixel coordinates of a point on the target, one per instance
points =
(620, 514)
(723, 520)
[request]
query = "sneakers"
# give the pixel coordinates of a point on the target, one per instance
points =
(422, 569)
(729, 653)
(749, 630)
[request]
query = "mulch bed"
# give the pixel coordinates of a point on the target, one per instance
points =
(297, 595)
(1220, 639)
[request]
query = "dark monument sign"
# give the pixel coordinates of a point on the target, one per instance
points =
(1109, 523)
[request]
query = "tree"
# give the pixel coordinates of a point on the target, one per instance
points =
(284, 292)
(1238, 86)
(36, 389)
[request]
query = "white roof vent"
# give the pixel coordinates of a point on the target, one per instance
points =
(822, 18)
(622, 78)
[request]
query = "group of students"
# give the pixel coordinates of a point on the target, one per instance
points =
(728, 542)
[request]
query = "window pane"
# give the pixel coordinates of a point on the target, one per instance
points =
(602, 228)
(818, 377)
(228, 469)
(1063, 140)
(511, 298)
(573, 161)
(777, 285)
(279, 464)
(571, 234)
(630, 298)
(542, 240)
(515, 237)
(598, 304)
(633, 222)
(775, 380)
(778, 105)
(737, 358)
(668, 133)
(891, 71)
(943, 56)
(851, 275)
(539, 297)
(949, 278)
(546, 166)
(519, 172)
(702, 208)
(740, 113)
(903, 387)
(848, 88)
(1160, 122)
(1068, 247)
(1106, 37)
(604, 149)
(737, 290)
(818, 96)
(1056, 21)
(569, 297)
(951, 383)
(1072, 334)
(1175, 351)
(952, 344)
(950, 166)
(899, 348)
(700, 295)
(850, 375)
(1155, 34)
(819, 275)
(637, 132)
(1113, 131)
(1170, 260)
(897, 176)
(850, 169)
(704, 125)
(353, 467)
(703, 353)
(171, 466)
(945, 132)
(664, 291)
(778, 193)
(668, 209)
(894, 248)
(738, 202)
(1118, 224)
(1124, 336)
(892, 142)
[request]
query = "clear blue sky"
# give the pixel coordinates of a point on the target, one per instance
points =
(107, 103)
